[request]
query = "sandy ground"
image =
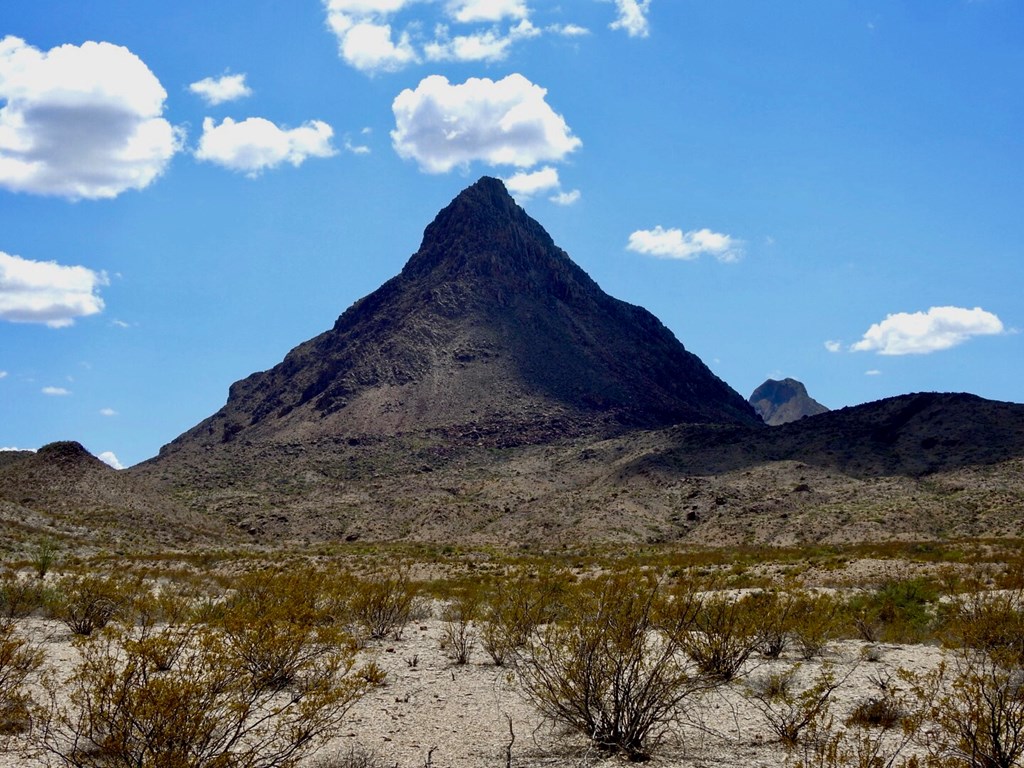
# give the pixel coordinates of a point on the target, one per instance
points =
(433, 713)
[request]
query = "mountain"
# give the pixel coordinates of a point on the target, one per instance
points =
(780, 402)
(491, 392)
(489, 334)
(64, 493)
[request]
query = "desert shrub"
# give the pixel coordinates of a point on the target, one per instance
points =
(791, 712)
(87, 603)
(356, 756)
(459, 635)
(897, 612)
(776, 611)
(989, 622)
(885, 709)
(604, 671)
(20, 597)
(18, 660)
(722, 633)
(814, 621)
(980, 716)
(516, 606)
(382, 606)
(274, 626)
(116, 709)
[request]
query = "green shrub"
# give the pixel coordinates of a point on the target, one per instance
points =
(518, 605)
(87, 603)
(722, 633)
(116, 709)
(18, 660)
(382, 606)
(605, 671)
(897, 612)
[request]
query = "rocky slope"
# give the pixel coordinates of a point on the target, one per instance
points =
(780, 402)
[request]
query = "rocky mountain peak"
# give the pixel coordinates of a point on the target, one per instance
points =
(489, 331)
(782, 401)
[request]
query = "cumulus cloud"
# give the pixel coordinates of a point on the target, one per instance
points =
(489, 45)
(108, 458)
(633, 17)
(108, 412)
(47, 292)
(55, 391)
(11, 448)
(873, 372)
(566, 198)
(255, 144)
(81, 121)
(468, 11)
(506, 122)
(676, 244)
(529, 183)
(568, 30)
(526, 184)
(833, 346)
(219, 90)
(365, 39)
(919, 333)
(370, 41)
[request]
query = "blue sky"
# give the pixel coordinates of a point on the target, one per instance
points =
(831, 191)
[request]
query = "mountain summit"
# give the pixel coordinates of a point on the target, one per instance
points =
(490, 334)
(780, 402)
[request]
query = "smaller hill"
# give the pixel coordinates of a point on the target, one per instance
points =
(780, 402)
(63, 492)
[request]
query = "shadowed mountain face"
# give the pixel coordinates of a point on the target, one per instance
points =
(780, 402)
(490, 334)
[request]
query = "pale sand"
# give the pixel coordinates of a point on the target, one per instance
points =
(459, 715)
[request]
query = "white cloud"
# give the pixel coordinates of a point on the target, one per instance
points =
(81, 121)
(369, 48)
(120, 324)
(218, 90)
(469, 11)
(873, 372)
(489, 45)
(255, 144)
(356, 149)
(10, 448)
(919, 333)
(566, 198)
(568, 30)
(633, 17)
(47, 292)
(55, 391)
(108, 458)
(833, 346)
(369, 40)
(506, 122)
(108, 412)
(676, 244)
(526, 184)
(3, 374)
(529, 183)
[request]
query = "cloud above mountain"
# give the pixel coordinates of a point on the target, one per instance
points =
(442, 125)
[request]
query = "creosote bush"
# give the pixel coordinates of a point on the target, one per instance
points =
(792, 712)
(18, 660)
(721, 632)
(517, 606)
(382, 605)
(88, 603)
(117, 708)
(605, 670)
